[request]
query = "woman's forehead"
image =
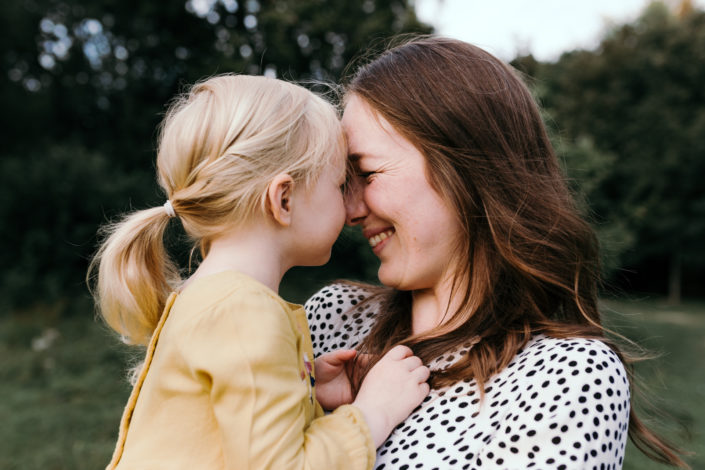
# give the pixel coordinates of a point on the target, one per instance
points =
(370, 135)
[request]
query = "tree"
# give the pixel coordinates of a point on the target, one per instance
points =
(87, 82)
(639, 98)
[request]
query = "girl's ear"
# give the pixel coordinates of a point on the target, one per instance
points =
(279, 194)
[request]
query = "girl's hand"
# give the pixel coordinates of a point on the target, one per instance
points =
(391, 390)
(332, 382)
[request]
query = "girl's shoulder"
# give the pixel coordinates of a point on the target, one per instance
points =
(231, 312)
(340, 315)
(229, 298)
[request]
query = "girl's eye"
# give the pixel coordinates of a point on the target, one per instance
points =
(366, 174)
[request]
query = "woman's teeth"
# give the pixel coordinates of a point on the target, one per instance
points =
(380, 237)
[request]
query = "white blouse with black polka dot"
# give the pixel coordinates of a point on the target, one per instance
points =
(560, 404)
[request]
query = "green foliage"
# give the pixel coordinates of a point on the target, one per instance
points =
(50, 205)
(85, 88)
(639, 100)
(587, 168)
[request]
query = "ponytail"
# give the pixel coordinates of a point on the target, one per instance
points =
(134, 274)
(220, 145)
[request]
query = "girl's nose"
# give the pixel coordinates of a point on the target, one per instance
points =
(355, 207)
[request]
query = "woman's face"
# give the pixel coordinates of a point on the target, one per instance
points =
(410, 227)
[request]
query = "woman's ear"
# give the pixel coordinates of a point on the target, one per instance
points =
(279, 202)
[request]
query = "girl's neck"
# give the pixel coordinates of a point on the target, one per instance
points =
(255, 252)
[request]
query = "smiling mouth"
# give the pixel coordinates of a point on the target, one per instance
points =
(380, 237)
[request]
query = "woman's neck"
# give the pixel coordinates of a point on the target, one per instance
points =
(433, 307)
(254, 252)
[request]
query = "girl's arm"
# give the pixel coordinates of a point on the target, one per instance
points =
(388, 394)
(332, 382)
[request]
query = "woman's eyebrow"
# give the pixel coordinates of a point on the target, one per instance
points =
(354, 157)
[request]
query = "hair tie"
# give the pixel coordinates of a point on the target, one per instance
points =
(169, 209)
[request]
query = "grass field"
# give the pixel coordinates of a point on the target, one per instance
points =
(675, 379)
(63, 388)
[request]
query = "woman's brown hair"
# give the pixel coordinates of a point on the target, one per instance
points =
(530, 261)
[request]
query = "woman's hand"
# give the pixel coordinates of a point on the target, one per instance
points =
(332, 382)
(391, 390)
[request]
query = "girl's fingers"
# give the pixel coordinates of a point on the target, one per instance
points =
(422, 374)
(339, 357)
(399, 352)
(345, 354)
(412, 362)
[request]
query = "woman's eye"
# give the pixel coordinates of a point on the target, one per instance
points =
(366, 174)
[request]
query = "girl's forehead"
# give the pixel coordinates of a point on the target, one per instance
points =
(337, 167)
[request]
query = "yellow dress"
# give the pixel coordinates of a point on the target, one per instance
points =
(228, 383)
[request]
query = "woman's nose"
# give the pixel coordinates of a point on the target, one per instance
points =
(355, 207)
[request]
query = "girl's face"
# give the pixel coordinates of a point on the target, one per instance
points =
(320, 216)
(410, 227)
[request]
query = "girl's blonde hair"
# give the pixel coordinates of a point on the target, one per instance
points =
(220, 145)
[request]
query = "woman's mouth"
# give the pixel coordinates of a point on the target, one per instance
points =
(380, 237)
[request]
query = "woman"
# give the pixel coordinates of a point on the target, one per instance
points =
(491, 274)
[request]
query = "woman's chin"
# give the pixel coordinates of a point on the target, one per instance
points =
(391, 279)
(386, 278)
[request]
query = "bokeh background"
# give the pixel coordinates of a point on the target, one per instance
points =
(84, 84)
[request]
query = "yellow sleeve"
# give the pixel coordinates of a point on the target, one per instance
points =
(246, 347)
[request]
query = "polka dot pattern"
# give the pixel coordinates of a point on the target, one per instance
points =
(560, 404)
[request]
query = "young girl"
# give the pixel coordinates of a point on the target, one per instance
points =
(253, 169)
